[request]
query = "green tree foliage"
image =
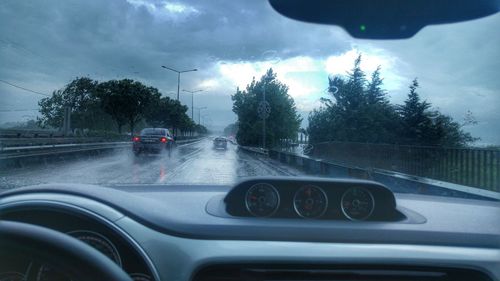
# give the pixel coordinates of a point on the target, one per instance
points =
(416, 118)
(200, 129)
(169, 113)
(80, 96)
(231, 129)
(126, 100)
(111, 105)
(283, 121)
(359, 111)
(422, 126)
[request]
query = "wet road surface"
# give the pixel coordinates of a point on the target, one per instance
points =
(195, 163)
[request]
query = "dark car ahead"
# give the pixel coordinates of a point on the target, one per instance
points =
(220, 143)
(153, 140)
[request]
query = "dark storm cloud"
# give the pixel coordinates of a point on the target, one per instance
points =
(45, 44)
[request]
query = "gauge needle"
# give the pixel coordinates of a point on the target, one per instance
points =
(27, 271)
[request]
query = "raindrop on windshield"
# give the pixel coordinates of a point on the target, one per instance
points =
(271, 56)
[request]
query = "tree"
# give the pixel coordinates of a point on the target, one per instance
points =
(416, 119)
(374, 93)
(126, 100)
(446, 132)
(80, 96)
(231, 129)
(283, 121)
(320, 125)
(200, 129)
(357, 111)
(169, 113)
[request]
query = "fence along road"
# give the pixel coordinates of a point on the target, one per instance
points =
(474, 167)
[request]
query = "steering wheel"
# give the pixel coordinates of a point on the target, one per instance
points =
(75, 258)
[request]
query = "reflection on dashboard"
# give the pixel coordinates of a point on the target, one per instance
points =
(12, 276)
(140, 277)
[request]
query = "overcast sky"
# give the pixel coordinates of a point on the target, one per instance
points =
(45, 44)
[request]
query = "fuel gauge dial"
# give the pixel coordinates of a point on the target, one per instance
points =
(262, 200)
(357, 203)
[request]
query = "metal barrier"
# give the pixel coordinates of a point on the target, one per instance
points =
(16, 156)
(475, 167)
(398, 182)
(29, 133)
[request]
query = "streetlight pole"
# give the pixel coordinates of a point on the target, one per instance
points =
(192, 101)
(199, 114)
(264, 118)
(178, 76)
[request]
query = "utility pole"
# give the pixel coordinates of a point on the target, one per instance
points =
(192, 101)
(199, 114)
(67, 120)
(178, 85)
(264, 118)
(178, 76)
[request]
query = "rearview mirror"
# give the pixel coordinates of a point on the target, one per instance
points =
(385, 19)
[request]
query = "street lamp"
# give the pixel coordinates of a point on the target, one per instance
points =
(206, 120)
(199, 113)
(178, 76)
(192, 101)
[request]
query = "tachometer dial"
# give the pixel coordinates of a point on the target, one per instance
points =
(262, 200)
(310, 202)
(357, 203)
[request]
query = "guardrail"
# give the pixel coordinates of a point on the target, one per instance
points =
(29, 133)
(25, 137)
(22, 155)
(39, 150)
(477, 167)
(397, 182)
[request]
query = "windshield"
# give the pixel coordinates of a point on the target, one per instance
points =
(291, 98)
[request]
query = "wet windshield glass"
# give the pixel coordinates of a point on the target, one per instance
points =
(82, 81)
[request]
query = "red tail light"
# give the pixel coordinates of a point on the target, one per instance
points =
(163, 139)
(136, 139)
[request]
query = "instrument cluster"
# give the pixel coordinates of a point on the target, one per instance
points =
(341, 200)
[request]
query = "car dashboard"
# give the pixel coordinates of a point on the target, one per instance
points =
(266, 229)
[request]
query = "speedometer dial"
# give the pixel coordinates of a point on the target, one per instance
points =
(262, 200)
(357, 203)
(310, 202)
(98, 242)
(95, 240)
